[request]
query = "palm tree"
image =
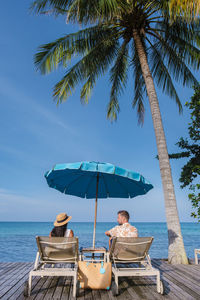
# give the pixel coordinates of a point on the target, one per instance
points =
(126, 38)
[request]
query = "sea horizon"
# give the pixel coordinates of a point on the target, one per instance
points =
(97, 222)
(20, 236)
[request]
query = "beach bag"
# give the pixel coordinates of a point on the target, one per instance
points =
(95, 275)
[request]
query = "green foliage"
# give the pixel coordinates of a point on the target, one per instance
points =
(191, 170)
(195, 199)
(189, 9)
(106, 46)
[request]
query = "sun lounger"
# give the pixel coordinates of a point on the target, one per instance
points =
(196, 252)
(52, 251)
(132, 251)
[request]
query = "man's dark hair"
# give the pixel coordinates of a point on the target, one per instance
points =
(124, 213)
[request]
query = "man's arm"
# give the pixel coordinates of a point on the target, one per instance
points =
(111, 232)
(107, 233)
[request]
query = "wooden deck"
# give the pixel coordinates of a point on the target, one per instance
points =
(181, 282)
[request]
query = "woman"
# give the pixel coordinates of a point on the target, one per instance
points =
(60, 226)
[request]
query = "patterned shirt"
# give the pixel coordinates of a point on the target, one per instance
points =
(124, 230)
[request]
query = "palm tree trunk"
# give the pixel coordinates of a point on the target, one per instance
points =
(176, 251)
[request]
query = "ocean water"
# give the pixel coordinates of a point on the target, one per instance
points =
(17, 239)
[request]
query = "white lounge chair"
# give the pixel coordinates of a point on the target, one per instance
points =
(196, 252)
(133, 251)
(55, 250)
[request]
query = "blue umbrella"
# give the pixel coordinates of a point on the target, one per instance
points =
(96, 180)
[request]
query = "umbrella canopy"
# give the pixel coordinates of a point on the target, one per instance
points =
(96, 180)
(79, 179)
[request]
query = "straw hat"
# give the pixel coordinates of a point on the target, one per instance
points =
(62, 219)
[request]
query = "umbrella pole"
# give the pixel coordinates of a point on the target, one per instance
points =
(95, 214)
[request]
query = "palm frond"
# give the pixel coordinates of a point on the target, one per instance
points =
(60, 52)
(92, 11)
(139, 86)
(184, 39)
(175, 62)
(113, 109)
(189, 52)
(87, 88)
(189, 9)
(40, 6)
(80, 11)
(92, 65)
(161, 74)
(118, 78)
(181, 29)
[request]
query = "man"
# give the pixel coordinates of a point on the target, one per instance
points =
(124, 229)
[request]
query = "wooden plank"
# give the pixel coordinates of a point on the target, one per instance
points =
(87, 294)
(123, 290)
(188, 268)
(4, 266)
(182, 282)
(170, 294)
(187, 292)
(138, 287)
(133, 289)
(11, 288)
(110, 295)
(12, 271)
(51, 289)
(195, 271)
(58, 291)
(70, 295)
(9, 270)
(41, 294)
(39, 286)
(21, 290)
(176, 289)
(81, 294)
(4, 271)
(19, 295)
(104, 295)
(172, 287)
(148, 287)
(189, 271)
(36, 284)
(196, 268)
(182, 276)
(11, 277)
(66, 288)
(96, 294)
(13, 283)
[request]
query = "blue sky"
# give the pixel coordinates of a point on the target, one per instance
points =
(36, 134)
